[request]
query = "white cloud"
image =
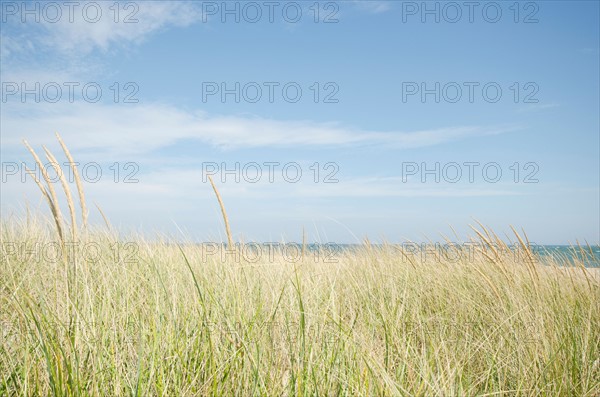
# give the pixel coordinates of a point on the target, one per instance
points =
(151, 17)
(395, 187)
(84, 32)
(159, 189)
(10, 46)
(138, 129)
(373, 6)
(532, 107)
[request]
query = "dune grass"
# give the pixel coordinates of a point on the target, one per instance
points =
(171, 320)
(95, 314)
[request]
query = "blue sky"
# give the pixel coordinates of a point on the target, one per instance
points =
(370, 133)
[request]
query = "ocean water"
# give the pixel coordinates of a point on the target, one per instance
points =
(560, 254)
(591, 257)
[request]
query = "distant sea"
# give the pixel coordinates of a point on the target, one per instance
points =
(591, 259)
(560, 254)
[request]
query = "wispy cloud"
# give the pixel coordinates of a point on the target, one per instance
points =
(135, 129)
(533, 107)
(373, 6)
(135, 22)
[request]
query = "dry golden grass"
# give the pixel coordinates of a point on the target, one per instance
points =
(126, 316)
(67, 190)
(79, 184)
(223, 212)
(174, 320)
